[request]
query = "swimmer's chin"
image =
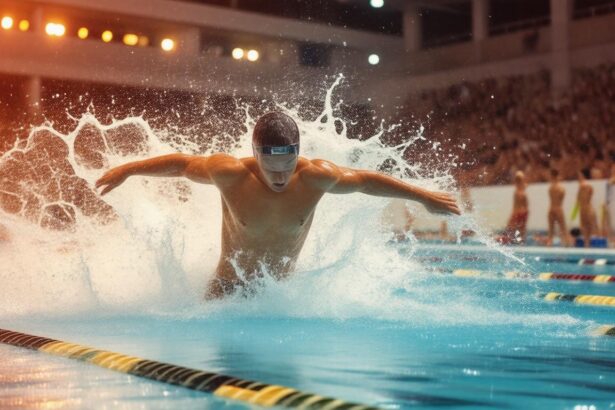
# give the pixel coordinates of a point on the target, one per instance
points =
(278, 187)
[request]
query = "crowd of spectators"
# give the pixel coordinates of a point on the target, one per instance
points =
(500, 126)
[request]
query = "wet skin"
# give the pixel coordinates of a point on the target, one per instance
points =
(587, 214)
(556, 212)
(268, 204)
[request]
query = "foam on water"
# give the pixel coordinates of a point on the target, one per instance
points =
(152, 244)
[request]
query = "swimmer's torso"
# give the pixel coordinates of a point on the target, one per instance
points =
(556, 194)
(520, 201)
(585, 195)
(262, 229)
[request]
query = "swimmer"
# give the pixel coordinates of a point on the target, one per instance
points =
(586, 210)
(517, 222)
(268, 200)
(556, 210)
(608, 227)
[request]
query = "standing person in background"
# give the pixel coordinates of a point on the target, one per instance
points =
(517, 224)
(557, 192)
(608, 230)
(586, 210)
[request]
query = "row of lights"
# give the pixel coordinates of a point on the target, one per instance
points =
(240, 53)
(7, 23)
(58, 30)
(54, 29)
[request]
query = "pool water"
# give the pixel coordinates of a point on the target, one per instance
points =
(526, 353)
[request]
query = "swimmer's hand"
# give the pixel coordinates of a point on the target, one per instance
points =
(112, 179)
(440, 203)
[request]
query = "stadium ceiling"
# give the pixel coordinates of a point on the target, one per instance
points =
(424, 4)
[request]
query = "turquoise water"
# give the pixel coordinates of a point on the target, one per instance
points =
(531, 354)
(361, 319)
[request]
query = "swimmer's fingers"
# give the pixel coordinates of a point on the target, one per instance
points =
(443, 203)
(111, 179)
(108, 188)
(104, 180)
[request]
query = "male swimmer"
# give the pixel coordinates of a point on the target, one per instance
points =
(268, 200)
(589, 224)
(557, 192)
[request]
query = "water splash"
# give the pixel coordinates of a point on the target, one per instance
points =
(151, 245)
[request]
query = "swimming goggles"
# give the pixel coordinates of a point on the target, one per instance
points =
(281, 150)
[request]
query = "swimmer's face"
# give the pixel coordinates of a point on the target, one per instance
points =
(277, 170)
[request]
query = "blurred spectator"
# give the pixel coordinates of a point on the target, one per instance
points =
(589, 225)
(557, 192)
(517, 224)
(500, 126)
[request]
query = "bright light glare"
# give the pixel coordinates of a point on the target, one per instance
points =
(55, 29)
(373, 59)
(7, 22)
(376, 3)
(167, 44)
(83, 33)
(253, 55)
(237, 53)
(24, 25)
(131, 39)
(107, 36)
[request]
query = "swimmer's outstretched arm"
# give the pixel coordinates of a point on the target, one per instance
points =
(340, 180)
(206, 170)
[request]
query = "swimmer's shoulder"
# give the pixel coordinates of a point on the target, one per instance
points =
(319, 173)
(224, 167)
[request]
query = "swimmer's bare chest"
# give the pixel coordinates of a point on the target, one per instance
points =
(252, 212)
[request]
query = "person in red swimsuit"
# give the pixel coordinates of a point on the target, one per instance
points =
(517, 223)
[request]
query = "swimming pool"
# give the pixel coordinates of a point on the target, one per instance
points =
(526, 353)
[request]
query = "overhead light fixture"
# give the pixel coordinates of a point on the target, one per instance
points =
(253, 55)
(107, 36)
(237, 53)
(24, 25)
(83, 33)
(7, 22)
(167, 44)
(131, 39)
(376, 3)
(55, 29)
(373, 59)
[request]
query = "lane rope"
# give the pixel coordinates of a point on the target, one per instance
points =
(468, 273)
(595, 300)
(575, 261)
(606, 330)
(252, 392)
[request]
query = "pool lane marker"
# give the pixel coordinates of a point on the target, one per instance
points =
(582, 261)
(262, 394)
(467, 273)
(597, 300)
(606, 330)
(577, 277)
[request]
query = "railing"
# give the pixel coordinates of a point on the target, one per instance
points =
(444, 41)
(520, 25)
(595, 11)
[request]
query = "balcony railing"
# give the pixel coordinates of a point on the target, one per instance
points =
(595, 11)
